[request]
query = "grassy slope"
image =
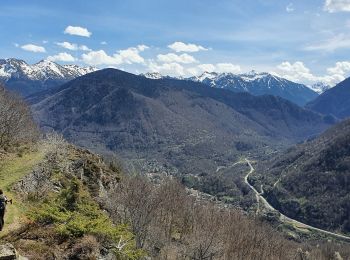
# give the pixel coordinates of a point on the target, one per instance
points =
(12, 169)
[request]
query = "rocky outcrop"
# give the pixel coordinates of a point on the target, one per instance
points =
(8, 252)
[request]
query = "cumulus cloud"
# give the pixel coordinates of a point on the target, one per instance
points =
(340, 41)
(33, 48)
(341, 68)
(172, 57)
(333, 6)
(219, 67)
(227, 68)
(63, 56)
(183, 47)
(72, 46)
(77, 30)
(290, 8)
(298, 72)
(171, 69)
(142, 47)
(103, 43)
(127, 56)
(100, 58)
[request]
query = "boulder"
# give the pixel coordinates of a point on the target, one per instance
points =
(7, 252)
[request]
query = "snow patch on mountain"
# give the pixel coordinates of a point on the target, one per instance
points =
(41, 71)
(152, 75)
(258, 83)
(320, 87)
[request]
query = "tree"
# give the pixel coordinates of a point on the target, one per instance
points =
(16, 122)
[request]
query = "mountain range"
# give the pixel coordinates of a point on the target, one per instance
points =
(27, 79)
(256, 84)
(167, 123)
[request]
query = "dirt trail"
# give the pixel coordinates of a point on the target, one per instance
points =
(12, 169)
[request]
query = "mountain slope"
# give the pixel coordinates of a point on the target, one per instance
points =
(28, 79)
(334, 101)
(311, 182)
(178, 124)
(259, 84)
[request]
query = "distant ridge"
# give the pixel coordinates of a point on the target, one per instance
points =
(179, 125)
(27, 79)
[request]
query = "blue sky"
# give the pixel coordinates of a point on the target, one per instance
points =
(305, 41)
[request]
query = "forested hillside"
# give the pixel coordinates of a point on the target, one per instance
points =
(310, 182)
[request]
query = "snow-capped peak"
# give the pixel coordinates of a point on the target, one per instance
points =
(152, 75)
(43, 70)
(320, 87)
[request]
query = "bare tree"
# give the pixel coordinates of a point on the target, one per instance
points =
(16, 123)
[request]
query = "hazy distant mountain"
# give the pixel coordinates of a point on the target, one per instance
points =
(259, 84)
(179, 124)
(335, 101)
(27, 79)
(311, 182)
(320, 87)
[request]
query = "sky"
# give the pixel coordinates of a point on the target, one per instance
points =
(306, 41)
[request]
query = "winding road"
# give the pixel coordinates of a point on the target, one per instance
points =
(284, 218)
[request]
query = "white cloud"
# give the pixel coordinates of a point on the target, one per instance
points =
(73, 46)
(227, 68)
(131, 55)
(340, 68)
(100, 58)
(142, 47)
(183, 47)
(298, 72)
(103, 43)
(77, 30)
(333, 6)
(340, 41)
(206, 67)
(84, 48)
(290, 8)
(172, 57)
(63, 56)
(33, 48)
(127, 56)
(219, 67)
(171, 69)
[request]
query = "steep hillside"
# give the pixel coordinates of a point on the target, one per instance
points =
(179, 125)
(27, 79)
(71, 205)
(259, 84)
(310, 182)
(334, 101)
